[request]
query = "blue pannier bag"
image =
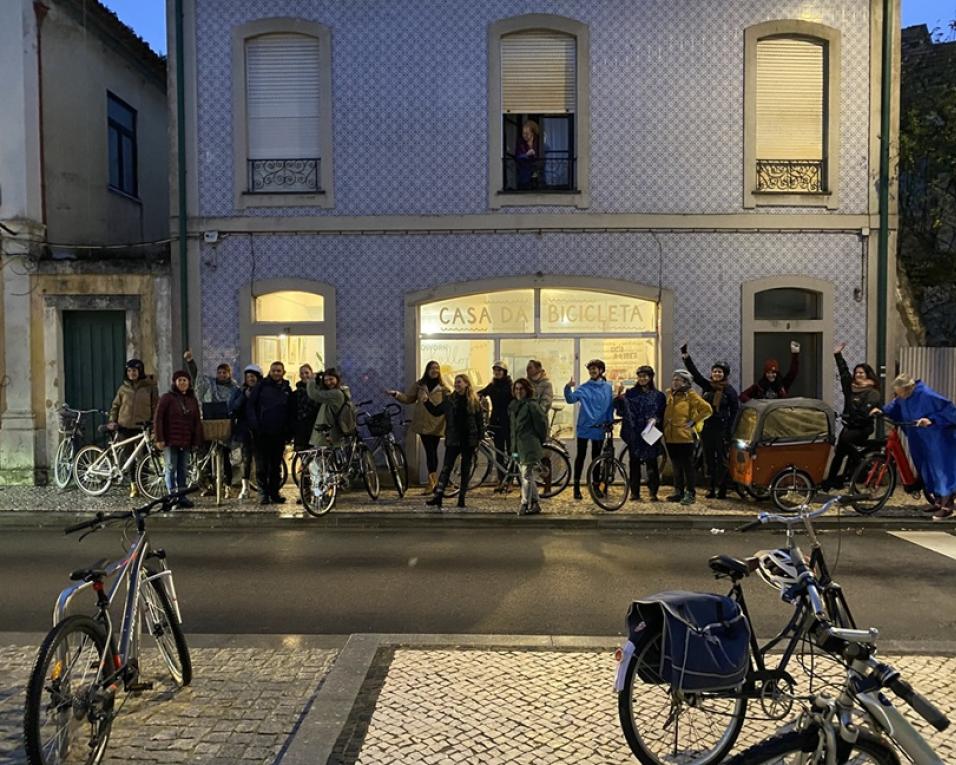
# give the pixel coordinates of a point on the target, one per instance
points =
(705, 640)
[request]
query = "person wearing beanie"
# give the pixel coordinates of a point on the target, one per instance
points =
(134, 404)
(499, 393)
(640, 407)
(177, 428)
(242, 430)
(684, 413)
(596, 407)
(771, 385)
(718, 428)
(269, 413)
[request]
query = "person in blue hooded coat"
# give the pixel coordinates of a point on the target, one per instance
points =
(932, 442)
(596, 398)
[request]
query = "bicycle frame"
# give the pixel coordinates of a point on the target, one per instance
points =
(112, 453)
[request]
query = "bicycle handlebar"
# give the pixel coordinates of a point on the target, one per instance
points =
(920, 704)
(101, 518)
(896, 423)
(804, 514)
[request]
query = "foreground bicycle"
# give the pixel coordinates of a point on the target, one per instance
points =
(666, 719)
(84, 664)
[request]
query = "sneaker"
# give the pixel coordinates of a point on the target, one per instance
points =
(722, 492)
(185, 504)
(654, 498)
(577, 493)
(688, 499)
(711, 494)
(674, 498)
(265, 501)
(523, 509)
(534, 509)
(277, 499)
(943, 514)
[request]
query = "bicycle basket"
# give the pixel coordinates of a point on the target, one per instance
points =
(379, 424)
(68, 419)
(704, 645)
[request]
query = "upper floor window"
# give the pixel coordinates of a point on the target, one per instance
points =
(282, 117)
(539, 97)
(539, 130)
(121, 137)
(791, 114)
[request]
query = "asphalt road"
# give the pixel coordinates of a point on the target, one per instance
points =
(478, 581)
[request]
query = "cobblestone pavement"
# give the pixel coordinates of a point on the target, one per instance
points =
(242, 706)
(484, 500)
(506, 706)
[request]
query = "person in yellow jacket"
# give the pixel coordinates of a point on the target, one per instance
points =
(685, 412)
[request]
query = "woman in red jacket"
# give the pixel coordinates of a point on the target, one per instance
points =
(177, 427)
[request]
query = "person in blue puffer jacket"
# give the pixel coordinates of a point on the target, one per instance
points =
(596, 407)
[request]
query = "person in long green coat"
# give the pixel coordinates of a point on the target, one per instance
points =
(529, 428)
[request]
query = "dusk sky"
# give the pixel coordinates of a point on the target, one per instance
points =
(148, 17)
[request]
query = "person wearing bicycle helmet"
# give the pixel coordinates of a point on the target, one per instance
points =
(932, 440)
(596, 407)
(861, 392)
(641, 407)
(718, 428)
(683, 415)
(134, 403)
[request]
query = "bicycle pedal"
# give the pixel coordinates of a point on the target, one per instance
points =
(139, 687)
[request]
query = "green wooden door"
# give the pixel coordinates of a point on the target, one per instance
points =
(94, 351)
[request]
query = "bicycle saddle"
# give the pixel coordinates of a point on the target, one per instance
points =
(732, 567)
(92, 573)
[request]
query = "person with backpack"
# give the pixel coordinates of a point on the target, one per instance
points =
(529, 429)
(269, 412)
(335, 418)
(498, 391)
(595, 398)
(177, 426)
(464, 427)
(242, 428)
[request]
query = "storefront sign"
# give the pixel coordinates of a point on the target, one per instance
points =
(579, 311)
(498, 312)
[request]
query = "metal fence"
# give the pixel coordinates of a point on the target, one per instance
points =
(934, 366)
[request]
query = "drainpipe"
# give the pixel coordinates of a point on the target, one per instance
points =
(181, 176)
(883, 243)
(40, 11)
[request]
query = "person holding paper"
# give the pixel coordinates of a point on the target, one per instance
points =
(718, 429)
(642, 409)
(685, 411)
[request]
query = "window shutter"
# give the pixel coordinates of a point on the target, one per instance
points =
(538, 73)
(790, 99)
(282, 96)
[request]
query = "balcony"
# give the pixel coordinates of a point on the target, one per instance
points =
(538, 175)
(284, 176)
(792, 176)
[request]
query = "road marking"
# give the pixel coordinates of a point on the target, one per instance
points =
(937, 541)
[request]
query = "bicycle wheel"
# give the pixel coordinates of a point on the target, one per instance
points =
(93, 471)
(607, 483)
(481, 466)
(874, 480)
(283, 472)
(790, 489)
(664, 725)
(68, 714)
(159, 620)
(318, 488)
(150, 476)
(793, 747)
(553, 472)
(63, 463)
(395, 468)
(369, 472)
(296, 469)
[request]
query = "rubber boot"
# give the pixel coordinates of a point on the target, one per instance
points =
(133, 490)
(432, 483)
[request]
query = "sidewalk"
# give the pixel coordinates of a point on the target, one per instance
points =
(47, 506)
(410, 699)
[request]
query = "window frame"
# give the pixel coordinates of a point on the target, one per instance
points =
(581, 197)
(121, 132)
(243, 199)
(829, 37)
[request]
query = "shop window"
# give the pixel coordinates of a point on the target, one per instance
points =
(290, 306)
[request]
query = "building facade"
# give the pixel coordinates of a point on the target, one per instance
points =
(85, 220)
(360, 191)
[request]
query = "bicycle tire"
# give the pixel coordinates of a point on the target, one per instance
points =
(369, 472)
(151, 477)
(321, 504)
(643, 665)
(608, 483)
(86, 458)
(161, 622)
(773, 750)
(875, 479)
(296, 471)
(791, 489)
(45, 692)
(395, 468)
(553, 472)
(63, 463)
(479, 472)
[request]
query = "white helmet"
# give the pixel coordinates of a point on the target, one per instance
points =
(776, 568)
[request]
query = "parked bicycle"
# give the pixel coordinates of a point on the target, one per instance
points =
(70, 427)
(663, 720)
(607, 478)
(878, 473)
(84, 665)
(95, 469)
(382, 442)
(326, 470)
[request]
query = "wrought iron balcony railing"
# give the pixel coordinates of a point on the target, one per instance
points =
(546, 174)
(800, 176)
(284, 176)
